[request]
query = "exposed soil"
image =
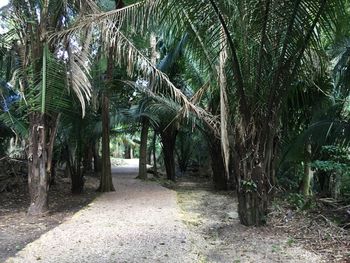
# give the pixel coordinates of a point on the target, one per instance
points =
(213, 217)
(17, 229)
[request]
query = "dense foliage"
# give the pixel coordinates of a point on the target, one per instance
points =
(256, 92)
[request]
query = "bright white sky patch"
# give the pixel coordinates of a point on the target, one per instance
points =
(3, 3)
(3, 28)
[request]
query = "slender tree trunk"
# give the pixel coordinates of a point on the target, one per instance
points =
(75, 172)
(220, 178)
(323, 179)
(77, 180)
(308, 173)
(143, 149)
(149, 155)
(168, 138)
(50, 167)
(127, 151)
(106, 184)
(154, 151)
(336, 184)
(38, 180)
(76, 177)
(97, 158)
(53, 172)
(87, 158)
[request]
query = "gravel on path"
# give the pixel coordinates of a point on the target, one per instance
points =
(139, 222)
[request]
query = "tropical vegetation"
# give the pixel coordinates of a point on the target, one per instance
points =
(254, 94)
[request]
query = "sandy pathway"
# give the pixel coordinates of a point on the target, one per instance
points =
(139, 222)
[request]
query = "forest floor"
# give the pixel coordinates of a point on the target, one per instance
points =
(17, 229)
(289, 236)
(144, 222)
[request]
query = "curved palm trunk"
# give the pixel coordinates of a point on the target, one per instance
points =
(38, 180)
(168, 138)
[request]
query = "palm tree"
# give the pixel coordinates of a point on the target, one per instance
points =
(38, 72)
(255, 50)
(267, 44)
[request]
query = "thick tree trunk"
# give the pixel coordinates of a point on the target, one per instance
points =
(220, 178)
(106, 184)
(38, 180)
(143, 149)
(168, 138)
(255, 173)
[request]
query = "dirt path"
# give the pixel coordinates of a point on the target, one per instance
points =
(140, 222)
(212, 216)
(144, 222)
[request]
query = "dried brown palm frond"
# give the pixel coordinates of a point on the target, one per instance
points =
(137, 17)
(79, 75)
(224, 107)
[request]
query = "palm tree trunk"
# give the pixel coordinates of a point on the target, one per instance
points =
(50, 167)
(38, 180)
(143, 149)
(308, 174)
(220, 178)
(154, 151)
(87, 158)
(97, 159)
(74, 171)
(149, 155)
(254, 166)
(106, 184)
(127, 151)
(168, 137)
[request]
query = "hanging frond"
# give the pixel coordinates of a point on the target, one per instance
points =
(136, 16)
(79, 75)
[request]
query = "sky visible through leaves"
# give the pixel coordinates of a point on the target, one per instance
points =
(3, 3)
